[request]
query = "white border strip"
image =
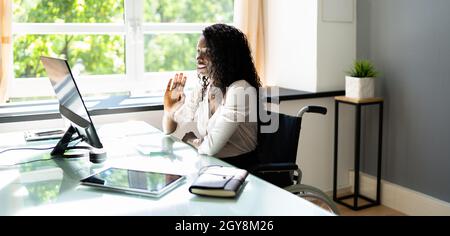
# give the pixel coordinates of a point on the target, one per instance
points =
(104, 28)
(68, 28)
(402, 199)
(174, 27)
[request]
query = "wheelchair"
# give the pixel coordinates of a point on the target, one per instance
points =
(277, 154)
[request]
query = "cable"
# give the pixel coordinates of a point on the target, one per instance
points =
(18, 149)
(38, 149)
(27, 162)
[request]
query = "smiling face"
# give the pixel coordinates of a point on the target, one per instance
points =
(203, 58)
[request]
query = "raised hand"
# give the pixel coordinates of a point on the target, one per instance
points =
(174, 95)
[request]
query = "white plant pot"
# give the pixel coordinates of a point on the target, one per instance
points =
(359, 87)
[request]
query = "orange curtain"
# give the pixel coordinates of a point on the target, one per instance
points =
(5, 47)
(249, 18)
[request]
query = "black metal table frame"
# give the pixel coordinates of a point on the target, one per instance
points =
(356, 195)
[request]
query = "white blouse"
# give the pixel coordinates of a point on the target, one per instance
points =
(232, 129)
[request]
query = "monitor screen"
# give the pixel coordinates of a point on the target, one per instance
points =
(71, 105)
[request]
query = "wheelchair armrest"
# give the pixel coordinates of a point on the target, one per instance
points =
(312, 109)
(275, 167)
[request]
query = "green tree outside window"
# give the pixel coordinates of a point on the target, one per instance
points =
(105, 54)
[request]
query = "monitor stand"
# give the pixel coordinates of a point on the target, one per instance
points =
(95, 155)
(63, 143)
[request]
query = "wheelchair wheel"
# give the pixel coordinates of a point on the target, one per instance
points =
(315, 196)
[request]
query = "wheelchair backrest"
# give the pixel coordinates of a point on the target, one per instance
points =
(280, 146)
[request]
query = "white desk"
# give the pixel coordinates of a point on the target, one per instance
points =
(52, 187)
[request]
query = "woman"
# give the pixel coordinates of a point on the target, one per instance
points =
(224, 103)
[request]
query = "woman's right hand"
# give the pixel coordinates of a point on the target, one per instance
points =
(174, 95)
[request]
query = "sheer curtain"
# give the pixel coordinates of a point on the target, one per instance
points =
(249, 18)
(5, 46)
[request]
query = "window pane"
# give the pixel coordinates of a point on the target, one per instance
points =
(170, 52)
(87, 54)
(68, 11)
(188, 11)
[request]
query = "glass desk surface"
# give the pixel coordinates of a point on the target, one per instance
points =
(51, 187)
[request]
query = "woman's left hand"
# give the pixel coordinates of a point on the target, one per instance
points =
(192, 140)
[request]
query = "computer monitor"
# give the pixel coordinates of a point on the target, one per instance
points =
(72, 109)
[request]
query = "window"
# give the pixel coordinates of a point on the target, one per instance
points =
(113, 46)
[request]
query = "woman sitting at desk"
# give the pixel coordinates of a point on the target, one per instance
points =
(224, 102)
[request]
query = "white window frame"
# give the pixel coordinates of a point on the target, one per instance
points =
(135, 81)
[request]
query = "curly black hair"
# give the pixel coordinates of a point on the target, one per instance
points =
(230, 55)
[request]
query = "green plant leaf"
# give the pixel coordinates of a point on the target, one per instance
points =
(363, 69)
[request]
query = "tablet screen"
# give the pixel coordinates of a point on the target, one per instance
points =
(133, 181)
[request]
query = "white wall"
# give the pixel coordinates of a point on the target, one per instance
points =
(336, 49)
(305, 50)
(291, 38)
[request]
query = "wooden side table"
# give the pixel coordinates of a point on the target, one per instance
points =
(358, 103)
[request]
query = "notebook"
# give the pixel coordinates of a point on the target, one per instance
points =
(219, 181)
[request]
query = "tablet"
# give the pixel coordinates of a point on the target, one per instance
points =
(152, 184)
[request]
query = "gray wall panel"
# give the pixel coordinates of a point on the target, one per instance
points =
(409, 41)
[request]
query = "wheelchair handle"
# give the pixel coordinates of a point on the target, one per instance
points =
(312, 109)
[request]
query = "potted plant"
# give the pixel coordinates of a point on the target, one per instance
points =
(360, 83)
